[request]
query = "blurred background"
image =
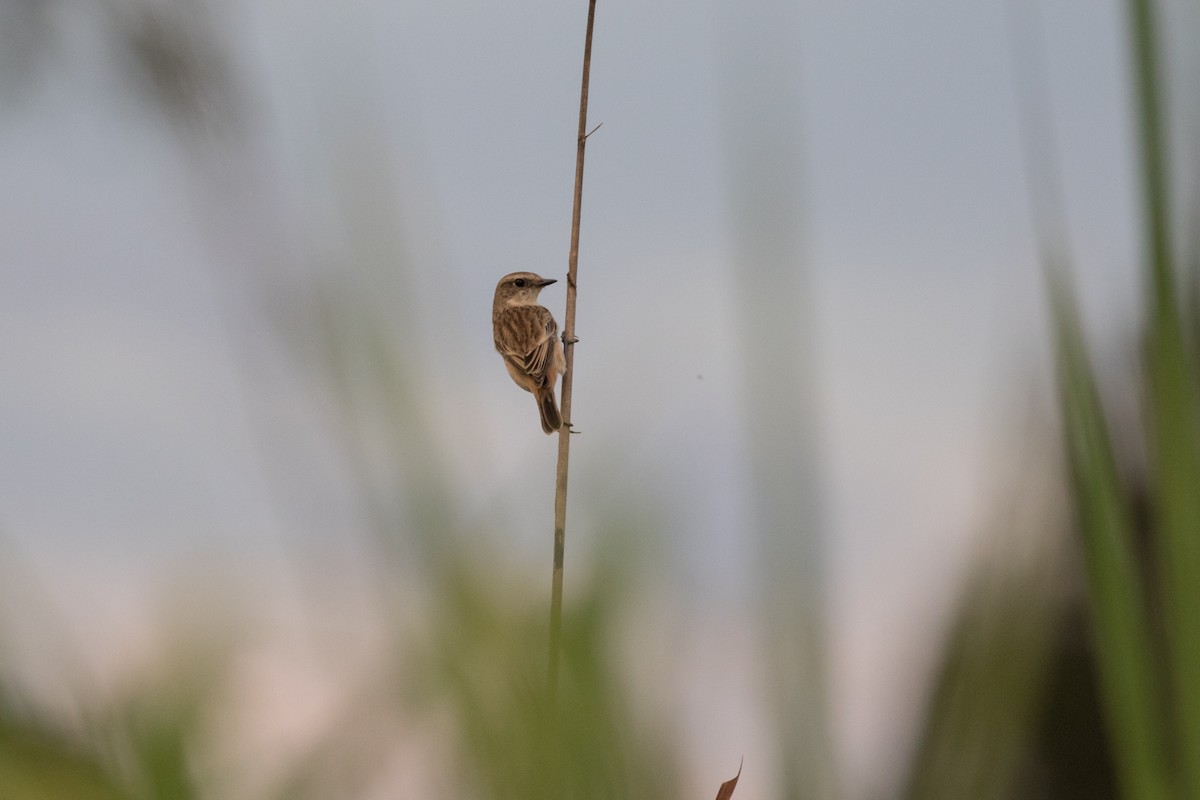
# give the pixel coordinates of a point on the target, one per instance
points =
(274, 521)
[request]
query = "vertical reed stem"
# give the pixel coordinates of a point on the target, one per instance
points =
(564, 435)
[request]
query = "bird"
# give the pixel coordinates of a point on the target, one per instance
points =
(526, 335)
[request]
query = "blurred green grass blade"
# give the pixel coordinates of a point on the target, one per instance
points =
(1177, 510)
(985, 701)
(37, 764)
(484, 669)
(1132, 700)
(1174, 409)
(1152, 145)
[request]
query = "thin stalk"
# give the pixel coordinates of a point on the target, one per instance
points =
(564, 435)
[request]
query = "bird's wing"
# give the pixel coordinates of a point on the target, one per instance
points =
(525, 336)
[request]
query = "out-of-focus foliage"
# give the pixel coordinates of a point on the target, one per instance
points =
(1112, 714)
(486, 663)
(1157, 752)
(473, 676)
(39, 762)
(172, 55)
(990, 684)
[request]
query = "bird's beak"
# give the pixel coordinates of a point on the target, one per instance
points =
(548, 281)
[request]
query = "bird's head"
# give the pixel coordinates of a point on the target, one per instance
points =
(520, 288)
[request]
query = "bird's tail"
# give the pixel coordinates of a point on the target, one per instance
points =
(551, 419)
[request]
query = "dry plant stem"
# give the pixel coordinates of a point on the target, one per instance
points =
(564, 434)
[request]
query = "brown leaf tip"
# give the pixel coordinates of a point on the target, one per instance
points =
(728, 786)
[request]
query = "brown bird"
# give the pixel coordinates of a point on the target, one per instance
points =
(527, 336)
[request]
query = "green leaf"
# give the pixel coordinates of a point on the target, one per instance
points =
(1133, 703)
(38, 764)
(1174, 404)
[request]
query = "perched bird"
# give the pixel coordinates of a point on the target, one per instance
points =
(527, 336)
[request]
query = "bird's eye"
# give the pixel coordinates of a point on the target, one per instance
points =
(520, 283)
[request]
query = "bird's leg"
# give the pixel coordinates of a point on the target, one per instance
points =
(569, 339)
